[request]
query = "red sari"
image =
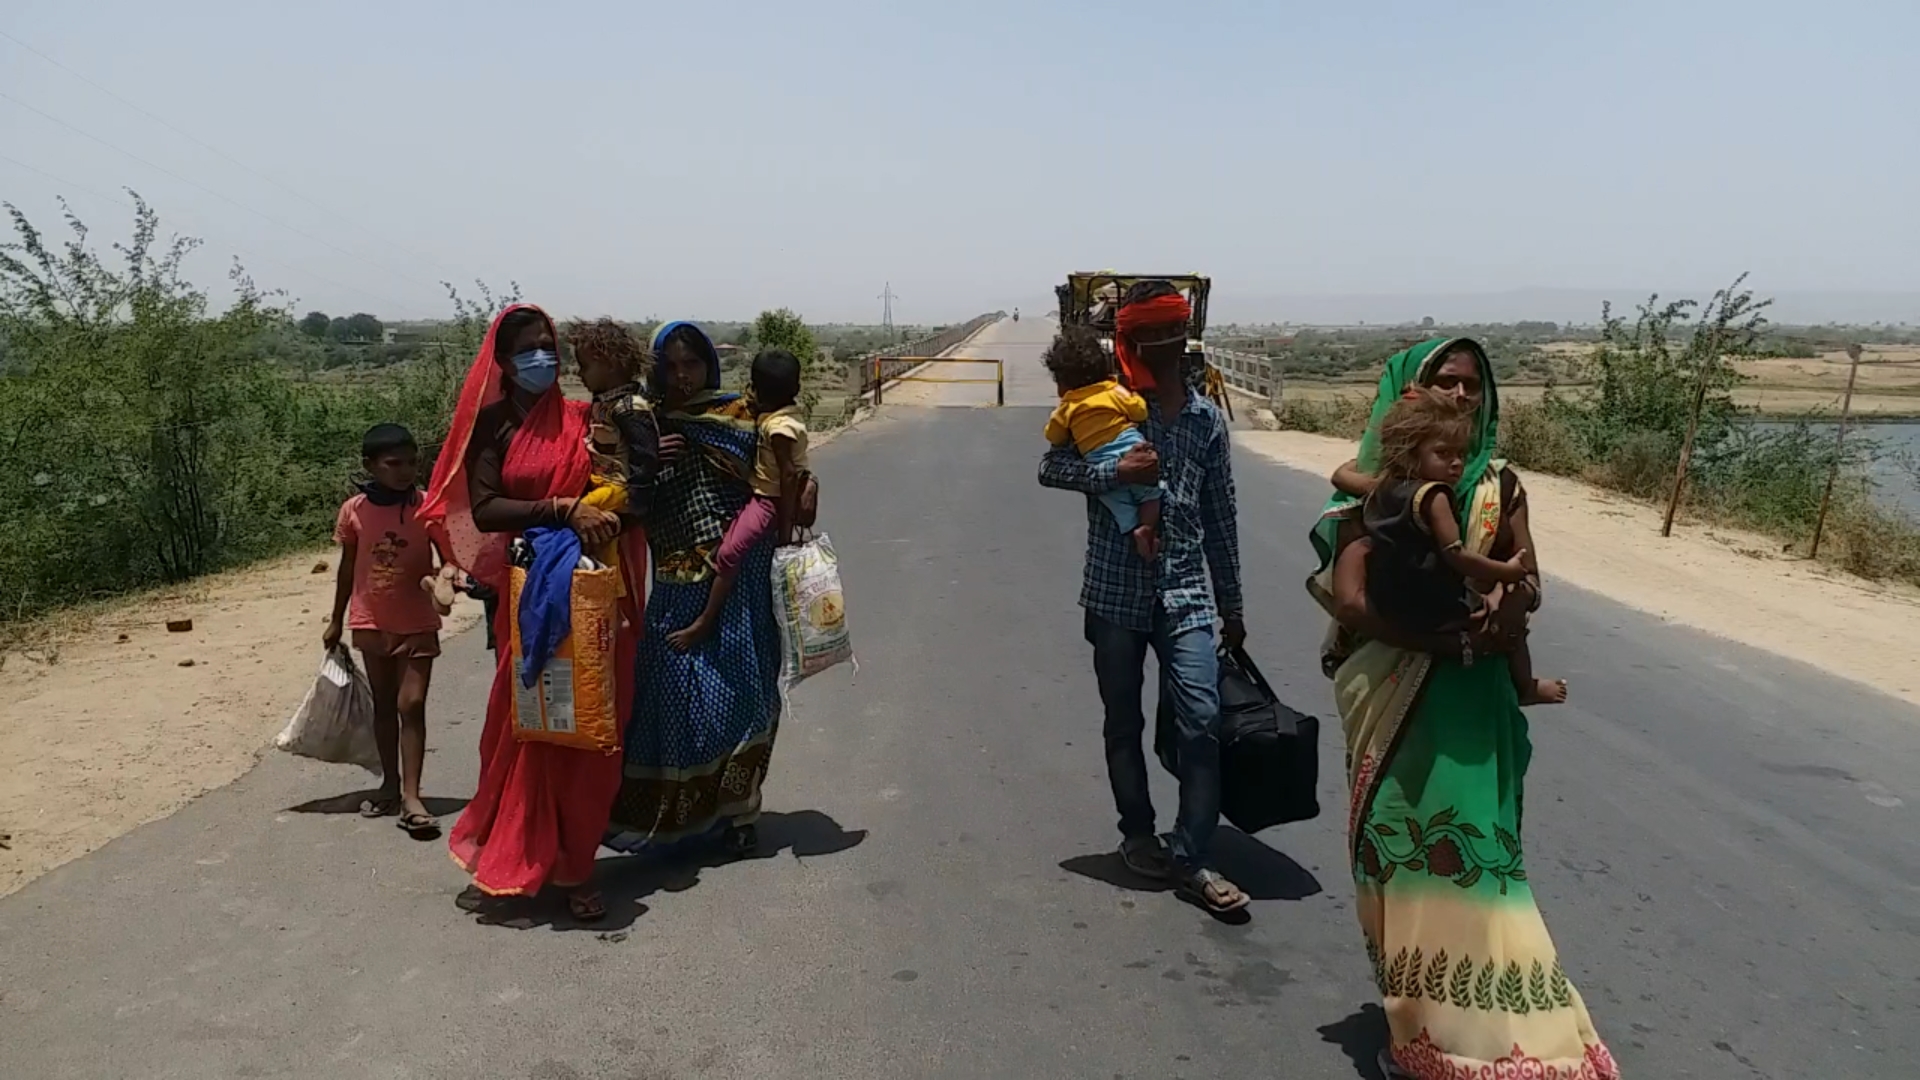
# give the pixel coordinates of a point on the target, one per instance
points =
(540, 810)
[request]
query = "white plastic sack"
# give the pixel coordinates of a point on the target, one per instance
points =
(335, 720)
(811, 610)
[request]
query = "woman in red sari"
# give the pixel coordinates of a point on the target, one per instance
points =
(516, 458)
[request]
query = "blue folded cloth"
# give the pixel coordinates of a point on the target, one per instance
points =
(546, 601)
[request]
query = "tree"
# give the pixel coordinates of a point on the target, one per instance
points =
(315, 325)
(782, 329)
(337, 329)
(364, 327)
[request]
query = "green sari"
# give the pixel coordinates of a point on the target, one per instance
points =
(1437, 756)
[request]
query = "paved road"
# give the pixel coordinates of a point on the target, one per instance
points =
(1717, 836)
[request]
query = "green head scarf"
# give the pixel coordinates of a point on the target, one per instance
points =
(1411, 367)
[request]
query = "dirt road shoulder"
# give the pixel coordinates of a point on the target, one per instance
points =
(1728, 583)
(110, 721)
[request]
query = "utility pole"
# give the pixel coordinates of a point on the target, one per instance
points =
(1839, 448)
(886, 316)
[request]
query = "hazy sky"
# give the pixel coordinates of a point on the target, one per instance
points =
(711, 159)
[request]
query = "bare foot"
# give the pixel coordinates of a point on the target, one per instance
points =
(1546, 692)
(695, 633)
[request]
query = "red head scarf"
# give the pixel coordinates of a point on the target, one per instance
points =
(548, 457)
(1170, 311)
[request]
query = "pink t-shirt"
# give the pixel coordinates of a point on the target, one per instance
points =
(393, 549)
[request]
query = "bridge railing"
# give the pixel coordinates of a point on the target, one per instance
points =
(875, 368)
(1256, 375)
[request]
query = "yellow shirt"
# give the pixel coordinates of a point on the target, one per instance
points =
(1093, 416)
(792, 424)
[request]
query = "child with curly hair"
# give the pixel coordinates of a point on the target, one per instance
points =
(1100, 418)
(1419, 573)
(623, 437)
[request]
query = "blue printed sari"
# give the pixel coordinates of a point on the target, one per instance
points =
(704, 721)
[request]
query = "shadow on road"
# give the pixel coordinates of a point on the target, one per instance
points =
(349, 803)
(1361, 1037)
(1260, 871)
(626, 881)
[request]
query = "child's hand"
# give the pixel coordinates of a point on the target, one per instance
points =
(695, 632)
(330, 637)
(1516, 567)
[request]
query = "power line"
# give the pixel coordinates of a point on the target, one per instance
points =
(202, 187)
(385, 301)
(209, 147)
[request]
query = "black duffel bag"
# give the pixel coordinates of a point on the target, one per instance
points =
(1269, 754)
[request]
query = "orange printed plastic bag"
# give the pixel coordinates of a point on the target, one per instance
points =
(572, 702)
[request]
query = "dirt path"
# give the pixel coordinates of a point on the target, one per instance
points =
(1722, 581)
(113, 721)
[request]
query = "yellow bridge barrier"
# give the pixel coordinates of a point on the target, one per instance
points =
(999, 379)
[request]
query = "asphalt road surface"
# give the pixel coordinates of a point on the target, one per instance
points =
(1723, 843)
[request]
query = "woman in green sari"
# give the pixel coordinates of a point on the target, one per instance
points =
(1437, 754)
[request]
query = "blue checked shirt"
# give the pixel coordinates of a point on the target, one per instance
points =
(1197, 525)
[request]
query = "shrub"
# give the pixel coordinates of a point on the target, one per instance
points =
(151, 440)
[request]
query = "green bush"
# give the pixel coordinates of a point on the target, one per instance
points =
(1628, 431)
(151, 440)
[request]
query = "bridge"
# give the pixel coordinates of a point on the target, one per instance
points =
(938, 896)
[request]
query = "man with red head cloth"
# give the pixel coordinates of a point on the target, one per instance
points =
(1133, 605)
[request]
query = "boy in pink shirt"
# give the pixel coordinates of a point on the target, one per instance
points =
(386, 552)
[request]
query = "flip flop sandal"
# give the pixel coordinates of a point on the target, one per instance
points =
(1391, 1069)
(1147, 857)
(1213, 892)
(743, 840)
(419, 826)
(587, 909)
(379, 808)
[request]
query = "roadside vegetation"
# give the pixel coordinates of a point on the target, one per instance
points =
(1616, 412)
(151, 438)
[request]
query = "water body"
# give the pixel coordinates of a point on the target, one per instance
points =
(1897, 446)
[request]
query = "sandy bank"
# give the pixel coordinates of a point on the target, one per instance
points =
(1732, 584)
(111, 721)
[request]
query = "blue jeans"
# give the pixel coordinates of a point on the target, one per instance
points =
(1190, 680)
(1124, 501)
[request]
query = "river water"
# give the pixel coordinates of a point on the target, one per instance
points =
(1898, 448)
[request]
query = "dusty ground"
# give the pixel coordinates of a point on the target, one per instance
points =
(1728, 583)
(1766, 397)
(110, 721)
(1888, 385)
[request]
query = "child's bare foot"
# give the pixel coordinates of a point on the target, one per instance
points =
(1146, 541)
(1545, 692)
(696, 632)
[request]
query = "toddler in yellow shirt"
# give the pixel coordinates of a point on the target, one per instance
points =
(1099, 417)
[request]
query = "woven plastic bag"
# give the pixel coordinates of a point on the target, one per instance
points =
(811, 610)
(334, 722)
(572, 703)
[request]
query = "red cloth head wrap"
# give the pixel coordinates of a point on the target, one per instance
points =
(1170, 311)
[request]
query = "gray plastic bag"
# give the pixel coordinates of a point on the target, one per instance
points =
(334, 722)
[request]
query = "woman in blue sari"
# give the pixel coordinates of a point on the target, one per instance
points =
(704, 720)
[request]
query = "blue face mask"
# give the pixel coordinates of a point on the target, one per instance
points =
(536, 370)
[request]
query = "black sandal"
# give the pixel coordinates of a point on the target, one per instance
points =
(1390, 1069)
(419, 826)
(742, 840)
(588, 907)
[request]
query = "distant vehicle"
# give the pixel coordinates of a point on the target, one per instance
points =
(1092, 298)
